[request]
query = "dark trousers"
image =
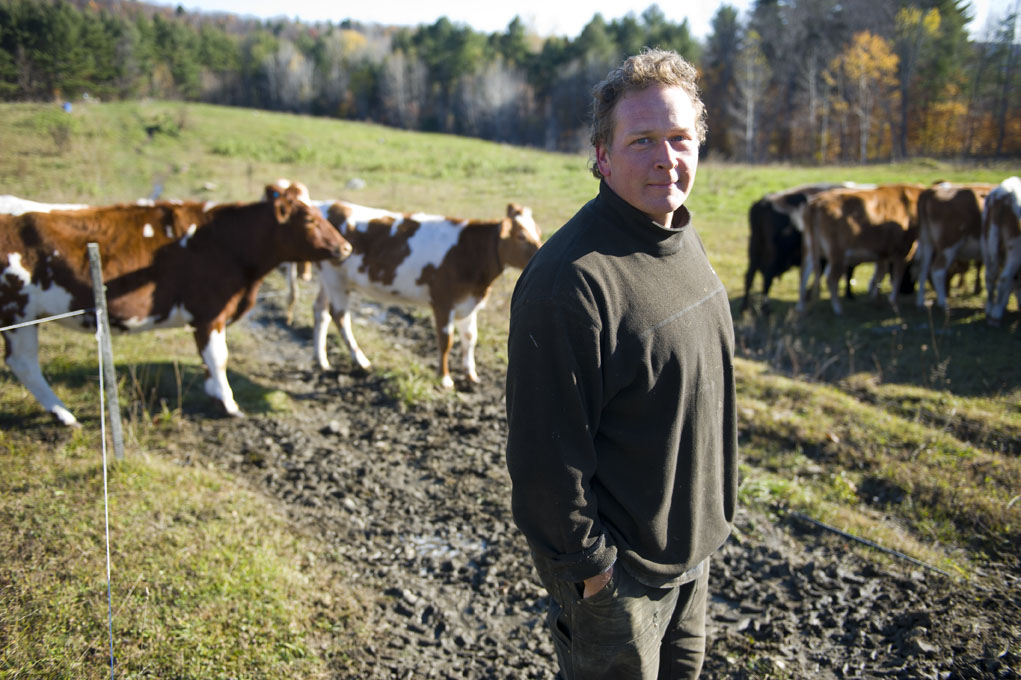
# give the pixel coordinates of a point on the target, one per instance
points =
(628, 631)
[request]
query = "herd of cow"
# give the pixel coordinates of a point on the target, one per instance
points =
(930, 232)
(178, 263)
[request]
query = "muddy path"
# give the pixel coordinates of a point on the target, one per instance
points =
(416, 502)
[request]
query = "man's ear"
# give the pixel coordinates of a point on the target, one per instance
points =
(602, 161)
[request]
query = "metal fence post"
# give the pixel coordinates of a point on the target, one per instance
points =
(106, 348)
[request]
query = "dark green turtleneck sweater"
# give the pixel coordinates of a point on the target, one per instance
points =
(621, 397)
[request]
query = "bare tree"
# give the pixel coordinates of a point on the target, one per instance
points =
(752, 79)
(402, 88)
(289, 78)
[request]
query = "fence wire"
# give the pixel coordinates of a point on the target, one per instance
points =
(49, 318)
(102, 428)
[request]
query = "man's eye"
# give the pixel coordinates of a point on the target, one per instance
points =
(641, 141)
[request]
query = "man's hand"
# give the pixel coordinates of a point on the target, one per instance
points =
(594, 584)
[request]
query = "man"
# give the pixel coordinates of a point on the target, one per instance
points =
(622, 445)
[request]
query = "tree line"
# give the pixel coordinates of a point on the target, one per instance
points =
(793, 80)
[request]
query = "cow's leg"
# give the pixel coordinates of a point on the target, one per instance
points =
(877, 278)
(333, 303)
(848, 278)
(897, 268)
(749, 278)
(834, 270)
(925, 254)
(23, 359)
(469, 328)
(1006, 283)
(292, 289)
(212, 344)
(769, 274)
(941, 273)
(991, 261)
(806, 274)
(321, 326)
(939, 279)
(444, 319)
(333, 306)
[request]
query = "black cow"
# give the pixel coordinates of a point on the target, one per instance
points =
(774, 244)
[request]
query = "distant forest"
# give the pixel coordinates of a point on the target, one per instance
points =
(816, 81)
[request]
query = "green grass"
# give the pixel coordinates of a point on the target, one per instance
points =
(210, 581)
(901, 428)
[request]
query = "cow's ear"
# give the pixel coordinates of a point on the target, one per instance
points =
(272, 192)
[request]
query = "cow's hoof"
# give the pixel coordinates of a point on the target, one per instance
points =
(64, 417)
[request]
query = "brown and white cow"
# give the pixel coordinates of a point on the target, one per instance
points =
(776, 225)
(949, 231)
(1001, 247)
(846, 227)
(449, 265)
(164, 264)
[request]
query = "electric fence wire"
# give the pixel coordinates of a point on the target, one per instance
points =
(39, 321)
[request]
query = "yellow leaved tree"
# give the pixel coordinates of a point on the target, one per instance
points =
(869, 70)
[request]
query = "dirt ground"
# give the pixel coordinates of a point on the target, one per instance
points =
(416, 501)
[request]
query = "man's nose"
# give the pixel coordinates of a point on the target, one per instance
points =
(666, 156)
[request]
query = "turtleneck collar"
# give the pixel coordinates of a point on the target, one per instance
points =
(658, 238)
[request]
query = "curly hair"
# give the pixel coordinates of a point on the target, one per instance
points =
(650, 67)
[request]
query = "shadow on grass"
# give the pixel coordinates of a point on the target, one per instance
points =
(956, 352)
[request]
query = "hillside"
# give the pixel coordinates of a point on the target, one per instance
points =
(901, 430)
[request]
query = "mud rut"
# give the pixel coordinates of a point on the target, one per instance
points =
(416, 502)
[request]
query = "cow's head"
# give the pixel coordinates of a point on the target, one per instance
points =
(304, 234)
(520, 237)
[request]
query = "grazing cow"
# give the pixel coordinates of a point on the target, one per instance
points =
(949, 230)
(846, 227)
(1001, 247)
(449, 265)
(774, 242)
(164, 264)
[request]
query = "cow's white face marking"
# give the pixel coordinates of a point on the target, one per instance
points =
(169, 230)
(527, 223)
(41, 302)
(147, 231)
(209, 205)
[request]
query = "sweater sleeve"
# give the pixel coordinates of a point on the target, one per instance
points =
(554, 395)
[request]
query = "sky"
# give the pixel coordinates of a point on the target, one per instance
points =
(545, 17)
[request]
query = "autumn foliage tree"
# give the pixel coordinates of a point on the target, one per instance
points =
(789, 80)
(869, 69)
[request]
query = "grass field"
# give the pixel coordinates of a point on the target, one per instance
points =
(903, 429)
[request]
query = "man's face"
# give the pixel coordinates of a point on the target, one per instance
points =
(653, 155)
